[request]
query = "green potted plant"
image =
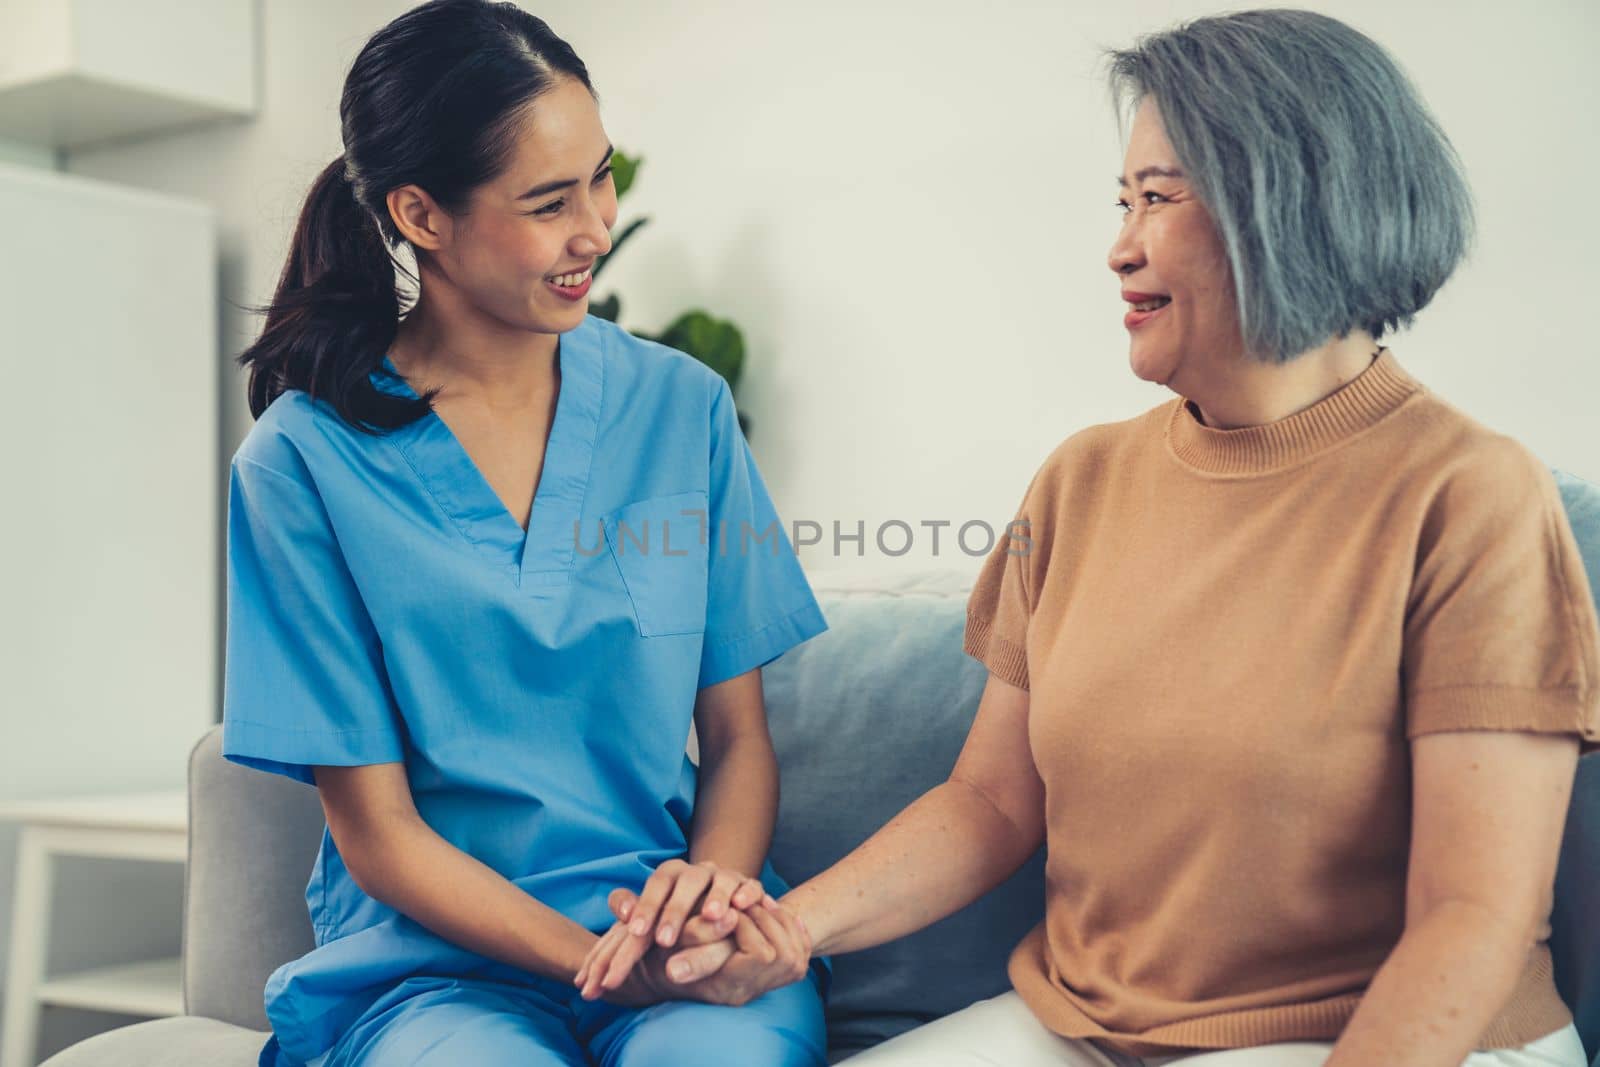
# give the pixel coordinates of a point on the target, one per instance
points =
(715, 342)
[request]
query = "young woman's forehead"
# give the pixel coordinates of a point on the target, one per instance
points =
(560, 133)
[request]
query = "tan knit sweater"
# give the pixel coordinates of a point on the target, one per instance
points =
(1229, 636)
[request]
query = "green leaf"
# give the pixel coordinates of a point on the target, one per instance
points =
(715, 342)
(616, 242)
(624, 169)
(607, 309)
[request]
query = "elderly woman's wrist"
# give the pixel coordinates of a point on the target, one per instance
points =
(802, 905)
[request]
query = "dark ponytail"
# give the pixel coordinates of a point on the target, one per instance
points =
(436, 98)
(336, 306)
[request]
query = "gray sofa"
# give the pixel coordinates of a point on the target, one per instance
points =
(865, 718)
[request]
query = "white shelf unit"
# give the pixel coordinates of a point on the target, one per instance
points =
(151, 987)
(137, 826)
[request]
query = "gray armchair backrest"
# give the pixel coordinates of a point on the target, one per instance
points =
(252, 840)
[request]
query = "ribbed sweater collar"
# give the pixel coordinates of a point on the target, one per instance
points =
(1362, 402)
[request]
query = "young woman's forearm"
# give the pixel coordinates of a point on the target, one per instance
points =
(1430, 1002)
(409, 867)
(736, 804)
(951, 846)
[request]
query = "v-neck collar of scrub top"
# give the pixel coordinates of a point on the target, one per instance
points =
(542, 555)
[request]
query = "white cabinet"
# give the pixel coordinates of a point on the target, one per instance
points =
(109, 486)
(80, 72)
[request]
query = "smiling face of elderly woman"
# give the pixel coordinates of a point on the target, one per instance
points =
(1288, 192)
(1169, 253)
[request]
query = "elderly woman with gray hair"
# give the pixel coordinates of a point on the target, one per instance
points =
(1291, 673)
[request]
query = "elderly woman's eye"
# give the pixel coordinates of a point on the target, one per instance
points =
(1157, 195)
(1124, 206)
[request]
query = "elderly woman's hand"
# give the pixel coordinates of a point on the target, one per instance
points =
(767, 948)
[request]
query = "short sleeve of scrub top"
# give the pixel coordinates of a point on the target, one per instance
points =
(537, 683)
(303, 680)
(758, 603)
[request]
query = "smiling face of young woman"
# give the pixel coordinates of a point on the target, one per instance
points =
(523, 252)
(1181, 313)
(534, 233)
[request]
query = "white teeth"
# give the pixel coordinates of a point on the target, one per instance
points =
(1151, 305)
(571, 281)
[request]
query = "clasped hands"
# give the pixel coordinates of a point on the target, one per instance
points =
(695, 932)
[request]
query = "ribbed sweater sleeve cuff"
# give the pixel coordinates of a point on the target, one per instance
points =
(1005, 659)
(1556, 710)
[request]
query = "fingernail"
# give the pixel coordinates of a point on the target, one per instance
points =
(713, 909)
(665, 936)
(638, 928)
(679, 971)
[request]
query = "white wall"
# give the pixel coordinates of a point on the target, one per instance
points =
(907, 205)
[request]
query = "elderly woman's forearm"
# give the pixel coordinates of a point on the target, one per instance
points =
(944, 851)
(1449, 975)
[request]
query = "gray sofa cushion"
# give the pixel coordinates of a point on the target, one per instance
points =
(866, 718)
(1575, 920)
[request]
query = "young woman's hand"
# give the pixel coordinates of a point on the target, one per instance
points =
(768, 948)
(640, 987)
(615, 959)
(672, 892)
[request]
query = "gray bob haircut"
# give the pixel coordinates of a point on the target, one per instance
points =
(1340, 201)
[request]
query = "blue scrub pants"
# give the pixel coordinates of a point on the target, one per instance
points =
(455, 1022)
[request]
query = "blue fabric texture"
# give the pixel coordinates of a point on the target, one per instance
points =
(538, 685)
(437, 1022)
(1575, 919)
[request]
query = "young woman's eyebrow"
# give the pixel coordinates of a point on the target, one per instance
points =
(550, 187)
(1150, 172)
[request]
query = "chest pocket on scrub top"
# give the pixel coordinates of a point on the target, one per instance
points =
(658, 548)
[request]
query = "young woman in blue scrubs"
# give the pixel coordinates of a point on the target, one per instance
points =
(485, 566)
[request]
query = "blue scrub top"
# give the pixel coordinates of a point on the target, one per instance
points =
(383, 605)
